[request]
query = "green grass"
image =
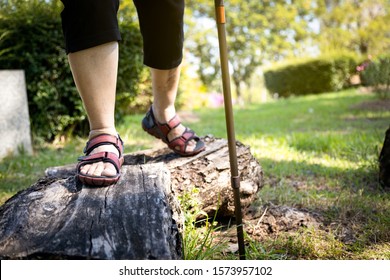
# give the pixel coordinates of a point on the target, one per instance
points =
(318, 153)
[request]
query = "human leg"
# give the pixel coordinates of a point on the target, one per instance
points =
(91, 33)
(95, 72)
(165, 85)
(161, 24)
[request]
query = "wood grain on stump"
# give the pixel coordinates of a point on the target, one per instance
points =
(137, 218)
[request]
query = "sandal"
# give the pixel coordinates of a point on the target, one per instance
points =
(110, 157)
(178, 144)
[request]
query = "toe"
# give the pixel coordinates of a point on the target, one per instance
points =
(191, 146)
(108, 170)
(99, 169)
(84, 169)
(92, 168)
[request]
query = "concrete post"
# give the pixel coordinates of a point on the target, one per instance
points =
(15, 131)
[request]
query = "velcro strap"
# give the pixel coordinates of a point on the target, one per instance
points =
(102, 156)
(104, 139)
(188, 135)
(182, 141)
(167, 127)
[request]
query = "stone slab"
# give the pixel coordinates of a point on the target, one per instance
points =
(15, 133)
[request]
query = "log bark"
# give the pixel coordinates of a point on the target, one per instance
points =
(138, 218)
(206, 176)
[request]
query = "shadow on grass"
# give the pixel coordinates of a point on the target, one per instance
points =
(352, 204)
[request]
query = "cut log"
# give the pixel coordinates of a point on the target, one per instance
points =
(208, 173)
(384, 162)
(137, 218)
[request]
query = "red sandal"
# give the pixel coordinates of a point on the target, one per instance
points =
(178, 144)
(117, 161)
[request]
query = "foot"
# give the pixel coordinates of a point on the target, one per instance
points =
(177, 132)
(102, 161)
(179, 138)
(100, 168)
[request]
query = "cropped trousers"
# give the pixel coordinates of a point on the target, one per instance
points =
(89, 23)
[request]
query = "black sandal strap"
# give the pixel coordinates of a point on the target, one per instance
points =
(104, 139)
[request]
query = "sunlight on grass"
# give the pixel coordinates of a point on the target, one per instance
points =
(134, 137)
(318, 153)
(380, 251)
(277, 151)
(19, 172)
(309, 244)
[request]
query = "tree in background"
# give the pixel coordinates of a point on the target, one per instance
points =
(361, 26)
(257, 31)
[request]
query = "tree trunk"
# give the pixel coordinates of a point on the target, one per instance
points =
(384, 162)
(138, 218)
(237, 84)
(205, 176)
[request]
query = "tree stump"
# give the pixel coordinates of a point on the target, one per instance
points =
(208, 173)
(384, 162)
(56, 218)
(138, 218)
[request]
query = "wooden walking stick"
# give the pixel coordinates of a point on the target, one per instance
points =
(235, 178)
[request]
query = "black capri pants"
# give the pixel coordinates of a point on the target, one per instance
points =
(89, 23)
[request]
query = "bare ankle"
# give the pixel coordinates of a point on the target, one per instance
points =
(163, 115)
(108, 130)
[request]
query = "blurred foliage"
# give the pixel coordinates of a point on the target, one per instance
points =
(31, 39)
(257, 31)
(323, 74)
(134, 90)
(356, 25)
(377, 75)
(275, 30)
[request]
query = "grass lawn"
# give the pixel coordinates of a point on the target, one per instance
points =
(318, 153)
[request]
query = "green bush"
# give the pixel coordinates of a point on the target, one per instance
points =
(377, 75)
(133, 78)
(323, 74)
(31, 39)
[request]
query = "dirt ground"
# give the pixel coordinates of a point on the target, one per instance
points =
(375, 105)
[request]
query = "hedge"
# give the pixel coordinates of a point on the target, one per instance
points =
(377, 75)
(31, 39)
(323, 74)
